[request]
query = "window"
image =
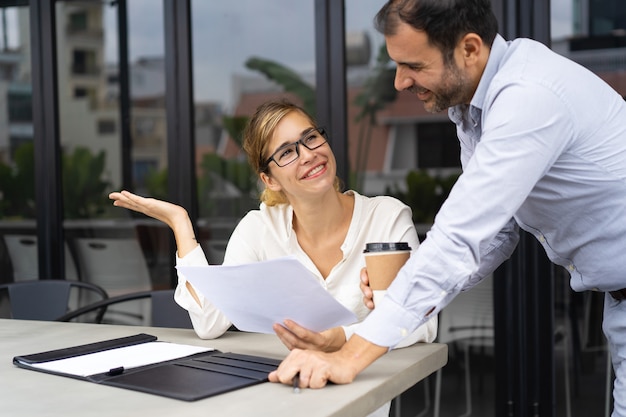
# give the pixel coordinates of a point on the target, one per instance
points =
(84, 62)
(77, 21)
(437, 145)
(20, 107)
(80, 92)
(106, 126)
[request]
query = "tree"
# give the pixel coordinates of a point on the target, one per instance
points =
(377, 93)
(84, 189)
(287, 78)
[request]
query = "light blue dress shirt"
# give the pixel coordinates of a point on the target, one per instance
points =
(543, 147)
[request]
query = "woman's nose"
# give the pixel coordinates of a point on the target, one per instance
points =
(305, 154)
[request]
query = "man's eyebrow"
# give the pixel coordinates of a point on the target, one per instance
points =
(411, 64)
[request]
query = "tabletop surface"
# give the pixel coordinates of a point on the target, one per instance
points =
(29, 393)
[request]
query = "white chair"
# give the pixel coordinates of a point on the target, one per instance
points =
(468, 322)
(118, 265)
(23, 254)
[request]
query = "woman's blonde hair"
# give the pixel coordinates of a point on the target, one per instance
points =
(256, 137)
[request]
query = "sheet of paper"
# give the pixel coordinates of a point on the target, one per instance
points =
(257, 295)
(126, 357)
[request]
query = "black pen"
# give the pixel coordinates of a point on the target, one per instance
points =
(296, 383)
(116, 371)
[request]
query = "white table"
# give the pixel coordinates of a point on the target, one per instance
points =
(26, 393)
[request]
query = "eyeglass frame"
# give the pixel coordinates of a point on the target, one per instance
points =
(319, 129)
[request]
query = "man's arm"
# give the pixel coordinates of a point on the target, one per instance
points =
(316, 369)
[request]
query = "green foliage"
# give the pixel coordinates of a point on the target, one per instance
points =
(235, 125)
(378, 91)
(84, 190)
(215, 184)
(424, 194)
(289, 79)
(156, 183)
(17, 184)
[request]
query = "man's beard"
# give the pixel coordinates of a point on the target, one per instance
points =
(452, 92)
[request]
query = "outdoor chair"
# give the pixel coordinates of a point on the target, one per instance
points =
(48, 299)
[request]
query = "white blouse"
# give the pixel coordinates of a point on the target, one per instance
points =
(267, 233)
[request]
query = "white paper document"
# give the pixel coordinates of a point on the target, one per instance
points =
(125, 357)
(255, 296)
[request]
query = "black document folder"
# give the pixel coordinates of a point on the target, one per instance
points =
(188, 378)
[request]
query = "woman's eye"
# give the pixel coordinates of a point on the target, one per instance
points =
(285, 153)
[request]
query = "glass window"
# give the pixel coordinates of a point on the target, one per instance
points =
(18, 240)
(238, 51)
(119, 250)
(437, 145)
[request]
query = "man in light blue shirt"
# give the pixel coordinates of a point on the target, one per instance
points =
(543, 147)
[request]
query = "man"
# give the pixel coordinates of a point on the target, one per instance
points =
(543, 147)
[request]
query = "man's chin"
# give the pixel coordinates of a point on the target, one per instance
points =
(433, 108)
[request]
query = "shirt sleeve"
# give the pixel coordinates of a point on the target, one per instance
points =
(208, 322)
(473, 232)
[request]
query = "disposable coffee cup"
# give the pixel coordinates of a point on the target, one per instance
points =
(383, 260)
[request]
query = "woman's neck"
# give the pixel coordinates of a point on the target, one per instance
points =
(321, 228)
(322, 216)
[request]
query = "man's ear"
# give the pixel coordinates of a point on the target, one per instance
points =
(472, 48)
(270, 183)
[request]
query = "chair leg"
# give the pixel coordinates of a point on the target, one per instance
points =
(468, 385)
(608, 393)
(468, 389)
(437, 393)
(426, 399)
(398, 406)
(568, 400)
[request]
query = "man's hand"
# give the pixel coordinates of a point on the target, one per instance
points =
(315, 369)
(295, 336)
(368, 294)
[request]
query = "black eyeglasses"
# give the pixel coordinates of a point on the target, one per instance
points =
(286, 154)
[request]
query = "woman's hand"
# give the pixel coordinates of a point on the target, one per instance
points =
(368, 294)
(295, 336)
(174, 216)
(166, 212)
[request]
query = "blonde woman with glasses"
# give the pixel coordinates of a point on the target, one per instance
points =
(302, 213)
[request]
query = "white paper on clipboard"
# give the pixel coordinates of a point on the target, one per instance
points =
(255, 296)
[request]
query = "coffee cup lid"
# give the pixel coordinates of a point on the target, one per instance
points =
(386, 246)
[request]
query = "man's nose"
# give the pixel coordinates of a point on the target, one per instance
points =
(402, 81)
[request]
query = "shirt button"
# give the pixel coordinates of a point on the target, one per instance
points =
(570, 267)
(404, 332)
(542, 238)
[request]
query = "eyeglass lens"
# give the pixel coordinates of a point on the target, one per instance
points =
(289, 153)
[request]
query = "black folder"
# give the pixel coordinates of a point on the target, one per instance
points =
(188, 378)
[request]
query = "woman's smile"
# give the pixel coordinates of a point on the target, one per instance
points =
(313, 172)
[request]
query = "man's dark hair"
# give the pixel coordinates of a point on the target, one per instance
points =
(444, 21)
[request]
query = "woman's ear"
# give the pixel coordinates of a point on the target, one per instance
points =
(270, 182)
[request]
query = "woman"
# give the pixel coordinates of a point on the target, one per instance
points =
(302, 213)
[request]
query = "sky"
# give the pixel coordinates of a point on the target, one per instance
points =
(225, 34)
